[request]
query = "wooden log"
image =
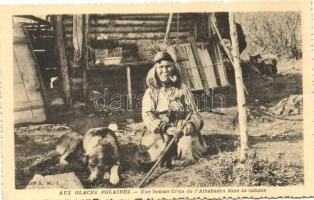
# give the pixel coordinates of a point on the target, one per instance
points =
(117, 22)
(63, 63)
(122, 42)
(132, 16)
(127, 16)
(132, 29)
(239, 89)
(129, 22)
(133, 36)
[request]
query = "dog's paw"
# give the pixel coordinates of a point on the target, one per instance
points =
(114, 179)
(92, 178)
(114, 175)
(106, 176)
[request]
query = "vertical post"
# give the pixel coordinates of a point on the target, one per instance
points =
(63, 64)
(168, 28)
(85, 45)
(239, 88)
(128, 75)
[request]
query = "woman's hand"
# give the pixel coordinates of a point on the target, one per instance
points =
(174, 131)
(189, 129)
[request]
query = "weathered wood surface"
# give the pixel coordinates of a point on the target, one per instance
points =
(133, 29)
(28, 100)
(198, 63)
(85, 52)
(63, 63)
(133, 36)
(208, 66)
(126, 22)
(221, 67)
(239, 88)
(189, 67)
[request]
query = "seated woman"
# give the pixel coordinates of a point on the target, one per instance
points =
(166, 104)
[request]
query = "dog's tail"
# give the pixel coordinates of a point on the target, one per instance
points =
(113, 126)
(49, 156)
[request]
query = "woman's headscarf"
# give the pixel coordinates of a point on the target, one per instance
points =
(152, 80)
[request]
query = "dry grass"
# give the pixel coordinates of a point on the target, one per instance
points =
(225, 169)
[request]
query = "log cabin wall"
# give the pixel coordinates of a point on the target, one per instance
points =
(136, 34)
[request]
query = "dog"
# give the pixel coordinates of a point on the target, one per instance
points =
(102, 153)
(69, 144)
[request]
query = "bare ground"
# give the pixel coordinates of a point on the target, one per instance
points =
(276, 145)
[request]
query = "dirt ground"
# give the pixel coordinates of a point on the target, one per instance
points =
(276, 145)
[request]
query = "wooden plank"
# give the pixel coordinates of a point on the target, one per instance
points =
(18, 31)
(30, 116)
(185, 70)
(221, 68)
(25, 62)
(196, 79)
(198, 63)
(19, 94)
(208, 64)
(23, 106)
(23, 117)
(33, 91)
(26, 65)
(16, 72)
(42, 89)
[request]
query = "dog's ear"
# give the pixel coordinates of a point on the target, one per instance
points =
(113, 126)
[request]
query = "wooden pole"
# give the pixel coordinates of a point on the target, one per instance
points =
(85, 45)
(220, 42)
(239, 88)
(168, 28)
(63, 64)
(129, 85)
(162, 155)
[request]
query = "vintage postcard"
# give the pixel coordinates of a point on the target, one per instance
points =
(157, 101)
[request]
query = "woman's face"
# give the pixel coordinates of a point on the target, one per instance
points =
(165, 71)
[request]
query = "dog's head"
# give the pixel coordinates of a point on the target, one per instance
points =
(101, 150)
(95, 163)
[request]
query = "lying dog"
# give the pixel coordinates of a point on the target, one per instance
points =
(102, 154)
(70, 143)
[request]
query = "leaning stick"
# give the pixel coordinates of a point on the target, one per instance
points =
(142, 183)
(226, 51)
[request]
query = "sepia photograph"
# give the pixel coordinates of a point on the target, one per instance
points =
(158, 100)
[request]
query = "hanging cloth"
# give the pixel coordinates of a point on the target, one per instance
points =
(77, 37)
